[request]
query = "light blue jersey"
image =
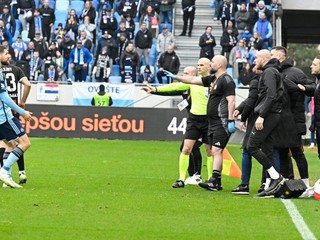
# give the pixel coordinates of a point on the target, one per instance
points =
(6, 103)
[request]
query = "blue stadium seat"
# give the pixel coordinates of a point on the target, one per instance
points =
(24, 35)
(78, 6)
(52, 4)
(61, 17)
(114, 79)
(96, 4)
(115, 70)
(117, 16)
(37, 2)
(62, 5)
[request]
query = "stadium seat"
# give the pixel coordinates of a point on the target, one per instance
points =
(61, 17)
(24, 35)
(62, 5)
(114, 79)
(117, 16)
(78, 6)
(52, 4)
(96, 4)
(37, 3)
(115, 70)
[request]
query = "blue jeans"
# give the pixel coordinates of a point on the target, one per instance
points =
(246, 166)
(166, 17)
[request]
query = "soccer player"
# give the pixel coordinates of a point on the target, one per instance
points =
(11, 130)
(13, 76)
(197, 123)
(220, 108)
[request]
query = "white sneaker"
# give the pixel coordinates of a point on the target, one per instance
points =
(193, 180)
(311, 145)
(5, 178)
(308, 193)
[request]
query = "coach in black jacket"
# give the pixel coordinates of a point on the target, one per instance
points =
(169, 61)
(268, 108)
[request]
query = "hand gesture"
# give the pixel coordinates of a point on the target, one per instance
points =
(27, 116)
(169, 74)
(148, 89)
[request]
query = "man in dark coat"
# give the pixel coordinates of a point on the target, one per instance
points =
(207, 42)
(169, 61)
(268, 108)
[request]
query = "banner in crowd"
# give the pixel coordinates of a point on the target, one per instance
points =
(122, 94)
(106, 122)
(48, 92)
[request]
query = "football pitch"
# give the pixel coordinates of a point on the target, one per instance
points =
(115, 189)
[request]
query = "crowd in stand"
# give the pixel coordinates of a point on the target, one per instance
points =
(247, 28)
(93, 41)
(99, 39)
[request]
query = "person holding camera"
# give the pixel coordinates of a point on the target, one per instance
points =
(207, 42)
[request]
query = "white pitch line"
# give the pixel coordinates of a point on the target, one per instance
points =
(298, 221)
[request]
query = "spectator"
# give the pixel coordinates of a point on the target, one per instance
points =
(207, 42)
(51, 52)
(8, 19)
(165, 39)
(88, 27)
(71, 27)
(216, 6)
(227, 13)
(26, 8)
(51, 73)
(4, 33)
(242, 18)
(48, 19)
(19, 47)
(129, 64)
(189, 10)
(9, 48)
(102, 66)
(101, 98)
(108, 22)
(107, 41)
(256, 41)
(145, 3)
(61, 66)
(234, 28)
(89, 11)
(252, 55)
(152, 19)
(72, 12)
(246, 35)
(143, 42)
(66, 46)
(86, 42)
(80, 58)
(263, 9)
(127, 7)
(264, 28)
(35, 24)
(238, 58)
(4, 3)
(28, 54)
(39, 44)
(276, 10)
(169, 61)
(59, 31)
(130, 26)
(122, 29)
(35, 66)
(252, 8)
(166, 10)
(122, 43)
(227, 42)
(147, 76)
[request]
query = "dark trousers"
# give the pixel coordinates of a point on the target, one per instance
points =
(161, 74)
(260, 143)
(317, 124)
(81, 74)
(188, 15)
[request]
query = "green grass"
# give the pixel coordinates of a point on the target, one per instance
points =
(103, 189)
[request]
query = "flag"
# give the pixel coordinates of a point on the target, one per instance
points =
(230, 167)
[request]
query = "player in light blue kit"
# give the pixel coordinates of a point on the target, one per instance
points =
(11, 131)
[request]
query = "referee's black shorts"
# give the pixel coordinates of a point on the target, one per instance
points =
(197, 127)
(218, 133)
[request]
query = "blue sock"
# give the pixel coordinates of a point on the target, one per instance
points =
(12, 158)
(5, 157)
